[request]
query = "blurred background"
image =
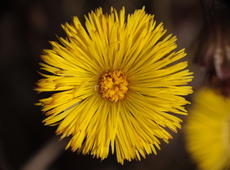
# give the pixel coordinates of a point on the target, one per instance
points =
(26, 29)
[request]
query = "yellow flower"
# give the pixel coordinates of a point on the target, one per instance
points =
(114, 84)
(208, 130)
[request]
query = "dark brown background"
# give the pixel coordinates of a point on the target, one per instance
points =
(26, 27)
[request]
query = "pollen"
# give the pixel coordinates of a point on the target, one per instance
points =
(113, 85)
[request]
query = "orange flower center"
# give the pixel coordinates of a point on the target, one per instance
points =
(113, 85)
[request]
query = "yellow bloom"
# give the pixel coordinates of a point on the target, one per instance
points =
(208, 130)
(115, 85)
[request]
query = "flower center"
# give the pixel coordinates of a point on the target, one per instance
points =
(113, 85)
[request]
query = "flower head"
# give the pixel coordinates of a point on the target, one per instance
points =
(208, 130)
(114, 84)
